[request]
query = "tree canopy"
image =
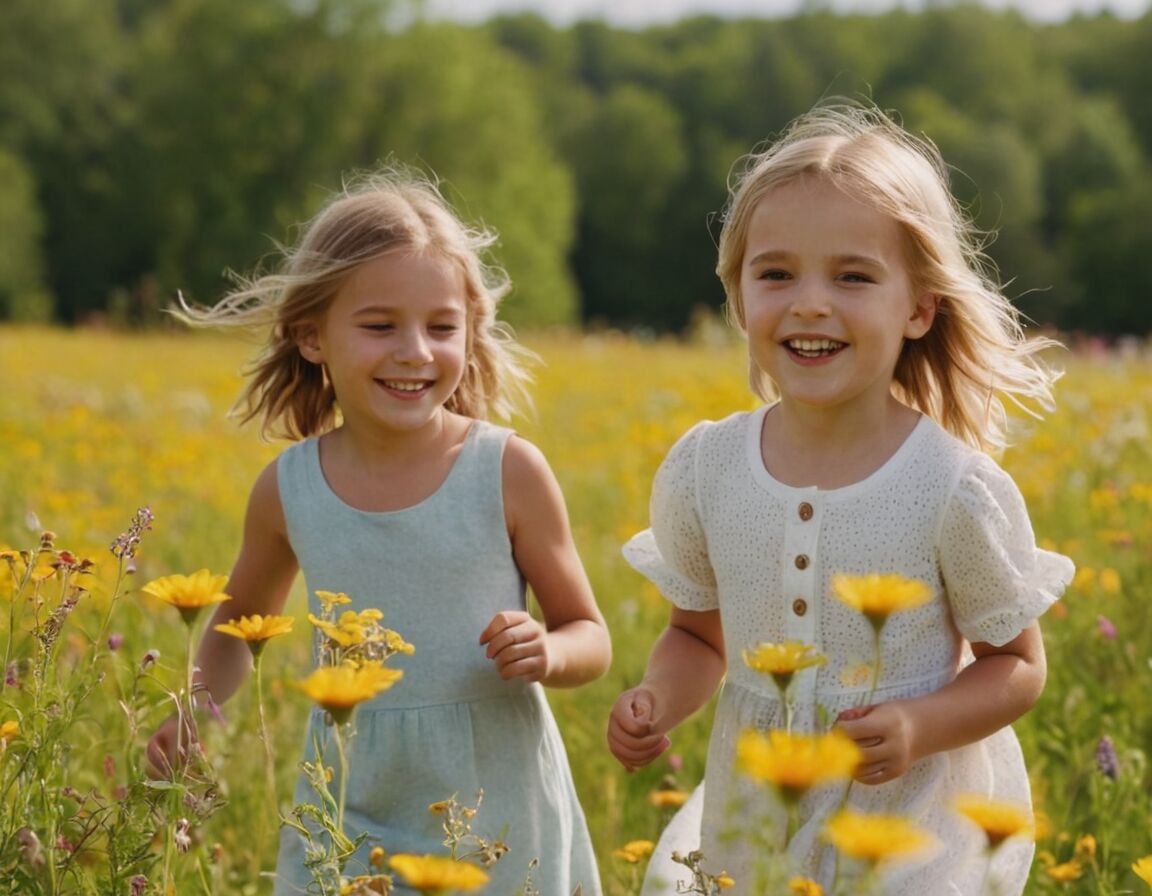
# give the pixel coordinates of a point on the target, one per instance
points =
(147, 147)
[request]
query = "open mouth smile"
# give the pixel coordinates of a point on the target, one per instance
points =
(412, 386)
(814, 348)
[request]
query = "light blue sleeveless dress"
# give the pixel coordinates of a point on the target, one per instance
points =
(439, 571)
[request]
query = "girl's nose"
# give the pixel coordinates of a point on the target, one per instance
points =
(809, 300)
(414, 348)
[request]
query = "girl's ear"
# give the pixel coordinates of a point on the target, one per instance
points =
(308, 342)
(923, 314)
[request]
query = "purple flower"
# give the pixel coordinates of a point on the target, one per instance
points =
(115, 640)
(1106, 627)
(1106, 759)
(138, 886)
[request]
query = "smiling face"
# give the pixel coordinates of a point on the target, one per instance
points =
(393, 340)
(828, 301)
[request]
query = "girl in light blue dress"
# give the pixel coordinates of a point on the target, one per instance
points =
(384, 357)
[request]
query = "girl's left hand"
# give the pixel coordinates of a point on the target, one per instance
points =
(517, 644)
(884, 734)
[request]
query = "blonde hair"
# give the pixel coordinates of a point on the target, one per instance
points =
(976, 353)
(394, 209)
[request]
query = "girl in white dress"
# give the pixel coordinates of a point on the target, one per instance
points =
(884, 349)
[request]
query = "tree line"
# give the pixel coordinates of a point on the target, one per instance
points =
(153, 145)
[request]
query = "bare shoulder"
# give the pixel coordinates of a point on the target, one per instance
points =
(265, 510)
(524, 462)
(531, 492)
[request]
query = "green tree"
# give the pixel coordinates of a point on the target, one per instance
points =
(22, 293)
(450, 99)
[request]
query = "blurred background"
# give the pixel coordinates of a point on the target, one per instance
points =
(148, 146)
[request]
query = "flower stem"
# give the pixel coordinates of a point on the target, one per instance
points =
(340, 751)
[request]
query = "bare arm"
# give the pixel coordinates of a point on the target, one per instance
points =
(684, 670)
(572, 647)
(997, 688)
(259, 583)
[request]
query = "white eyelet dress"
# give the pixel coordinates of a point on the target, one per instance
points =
(726, 534)
(439, 571)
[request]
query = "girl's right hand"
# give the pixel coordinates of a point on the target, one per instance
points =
(633, 734)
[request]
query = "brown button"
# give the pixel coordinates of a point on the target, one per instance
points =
(799, 606)
(805, 510)
(801, 561)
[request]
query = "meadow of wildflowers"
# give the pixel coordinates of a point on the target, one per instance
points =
(96, 425)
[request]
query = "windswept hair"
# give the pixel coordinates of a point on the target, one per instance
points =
(393, 209)
(976, 354)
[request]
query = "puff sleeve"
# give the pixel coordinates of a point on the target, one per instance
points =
(997, 580)
(673, 553)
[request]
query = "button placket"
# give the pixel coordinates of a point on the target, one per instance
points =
(801, 537)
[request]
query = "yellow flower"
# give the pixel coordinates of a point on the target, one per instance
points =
(339, 688)
(723, 881)
(668, 798)
(782, 661)
(376, 857)
(998, 820)
(437, 874)
(1143, 869)
(189, 594)
(329, 599)
(1086, 848)
(878, 596)
(796, 762)
(256, 629)
(1065, 872)
(875, 838)
(805, 886)
(634, 851)
(347, 632)
(9, 731)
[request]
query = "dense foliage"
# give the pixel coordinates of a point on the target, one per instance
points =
(150, 146)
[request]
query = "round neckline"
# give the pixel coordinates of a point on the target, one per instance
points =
(752, 436)
(314, 458)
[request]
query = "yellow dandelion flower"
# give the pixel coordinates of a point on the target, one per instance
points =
(794, 763)
(256, 630)
(668, 798)
(1086, 848)
(1065, 872)
(876, 838)
(634, 851)
(189, 594)
(330, 599)
(804, 886)
(339, 689)
(998, 820)
(878, 596)
(782, 661)
(9, 731)
(436, 874)
(1143, 869)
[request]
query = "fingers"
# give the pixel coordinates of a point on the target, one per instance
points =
(502, 622)
(517, 644)
(632, 734)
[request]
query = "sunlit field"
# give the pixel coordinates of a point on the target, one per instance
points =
(95, 425)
